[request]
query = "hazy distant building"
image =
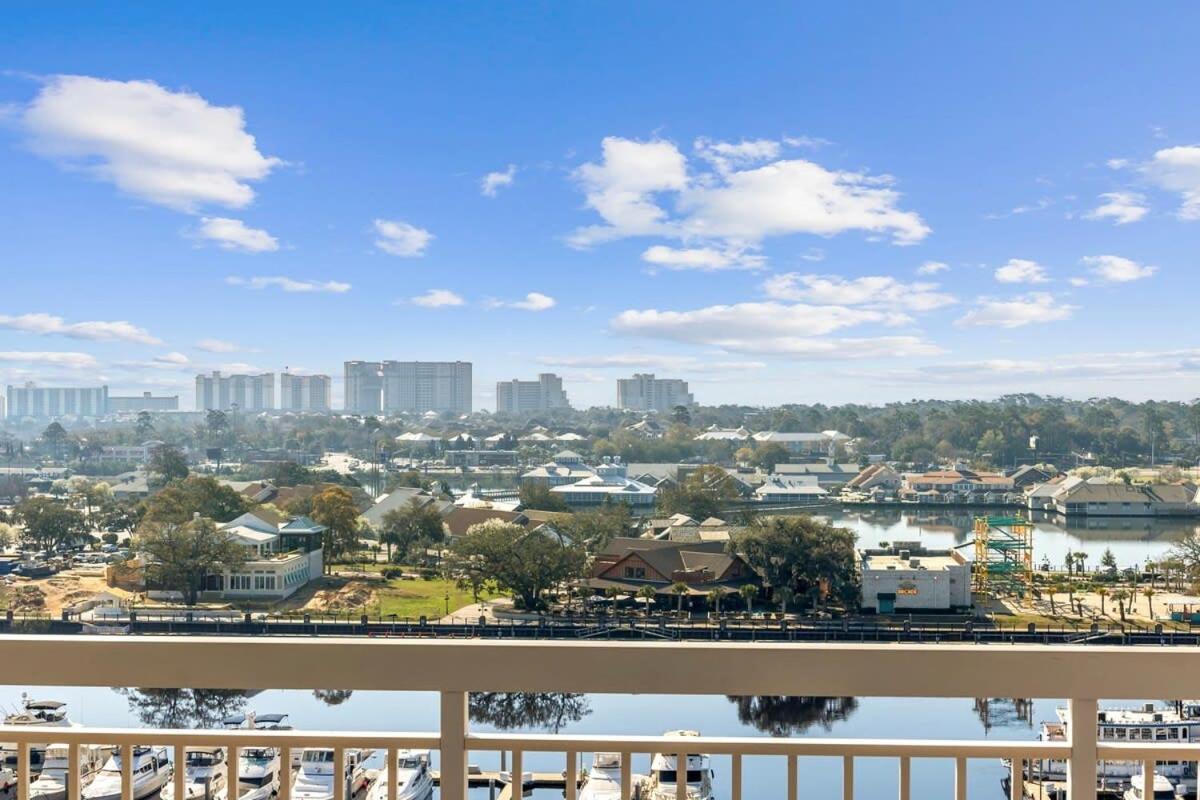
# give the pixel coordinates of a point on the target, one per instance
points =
(644, 392)
(304, 392)
(242, 392)
(144, 402)
(420, 386)
(363, 387)
(54, 401)
(517, 397)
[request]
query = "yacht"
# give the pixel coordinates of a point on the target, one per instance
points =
(603, 781)
(39, 713)
(204, 775)
(263, 722)
(151, 771)
(414, 781)
(664, 773)
(317, 773)
(258, 773)
(8, 779)
(1162, 789)
(51, 783)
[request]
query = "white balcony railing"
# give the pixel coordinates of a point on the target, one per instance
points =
(455, 668)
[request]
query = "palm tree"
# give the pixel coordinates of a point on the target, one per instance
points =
(1069, 560)
(1121, 596)
(647, 594)
(680, 589)
(784, 594)
(1071, 593)
(714, 598)
(1101, 592)
(1052, 589)
(1148, 593)
(748, 592)
(1080, 560)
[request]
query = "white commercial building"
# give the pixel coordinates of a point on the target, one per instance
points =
(644, 392)
(217, 392)
(609, 483)
(54, 401)
(908, 577)
(280, 560)
(304, 392)
(519, 397)
(363, 387)
(421, 386)
(145, 402)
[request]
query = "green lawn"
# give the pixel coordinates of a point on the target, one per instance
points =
(421, 598)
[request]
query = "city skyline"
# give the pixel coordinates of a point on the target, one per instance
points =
(783, 215)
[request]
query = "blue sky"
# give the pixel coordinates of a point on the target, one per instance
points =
(803, 203)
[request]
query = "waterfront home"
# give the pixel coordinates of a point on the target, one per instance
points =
(566, 467)
(628, 564)
(799, 490)
(715, 434)
(610, 483)
(829, 475)
(959, 485)
(1027, 475)
(396, 499)
(875, 478)
(1102, 497)
(904, 576)
(804, 444)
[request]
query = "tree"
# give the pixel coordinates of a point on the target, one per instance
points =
(1149, 593)
(770, 454)
(1055, 587)
(1109, 561)
(681, 415)
(56, 437)
(1121, 596)
(699, 495)
(551, 711)
(411, 526)
(680, 590)
(8, 536)
(1186, 553)
(49, 523)
(195, 494)
(216, 421)
(1101, 592)
(539, 497)
(334, 508)
(748, 592)
(181, 555)
(792, 716)
(167, 464)
(647, 594)
(525, 563)
(183, 708)
(1080, 561)
(145, 425)
(811, 558)
(595, 528)
(715, 596)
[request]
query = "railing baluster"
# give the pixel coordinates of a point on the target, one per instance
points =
(1016, 778)
(340, 779)
(75, 771)
(735, 777)
(453, 746)
(392, 772)
(681, 776)
(24, 768)
(517, 784)
(793, 777)
(233, 754)
(1148, 777)
(179, 773)
(847, 777)
(572, 776)
(285, 773)
(905, 778)
(626, 775)
(1081, 769)
(127, 772)
(960, 778)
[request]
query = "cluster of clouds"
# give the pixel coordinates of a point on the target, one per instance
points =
(445, 298)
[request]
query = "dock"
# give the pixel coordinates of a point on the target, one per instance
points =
(477, 778)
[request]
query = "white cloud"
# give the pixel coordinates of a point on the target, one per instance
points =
(59, 359)
(1041, 205)
(704, 259)
(1177, 169)
(875, 291)
(534, 301)
(1117, 163)
(289, 284)
(48, 324)
(217, 346)
(932, 268)
(1021, 270)
(668, 363)
(1121, 207)
(233, 234)
(1029, 309)
(401, 239)
(437, 298)
(738, 204)
(166, 361)
(1115, 269)
(1135, 365)
(493, 182)
(169, 148)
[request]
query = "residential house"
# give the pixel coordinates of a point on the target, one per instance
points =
(282, 557)
(630, 564)
(959, 485)
(1028, 475)
(877, 480)
(1102, 497)
(808, 445)
(715, 434)
(829, 475)
(799, 490)
(566, 467)
(609, 484)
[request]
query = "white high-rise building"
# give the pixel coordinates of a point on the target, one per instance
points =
(644, 392)
(304, 392)
(363, 387)
(420, 386)
(54, 401)
(242, 392)
(517, 397)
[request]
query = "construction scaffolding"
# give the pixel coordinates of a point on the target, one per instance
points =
(1003, 556)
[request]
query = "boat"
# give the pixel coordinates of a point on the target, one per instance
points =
(603, 781)
(317, 773)
(414, 780)
(258, 773)
(52, 782)
(151, 771)
(664, 774)
(39, 713)
(204, 775)
(262, 722)
(8, 779)
(1162, 789)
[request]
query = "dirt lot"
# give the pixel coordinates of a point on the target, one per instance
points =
(51, 595)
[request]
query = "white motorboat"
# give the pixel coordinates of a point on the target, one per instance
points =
(1162, 789)
(39, 713)
(262, 722)
(204, 775)
(151, 771)
(603, 781)
(258, 773)
(52, 782)
(414, 780)
(8, 779)
(317, 773)
(665, 773)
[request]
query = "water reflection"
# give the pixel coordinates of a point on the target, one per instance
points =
(333, 697)
(549, 711)
(183, 708)
(789, 716)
